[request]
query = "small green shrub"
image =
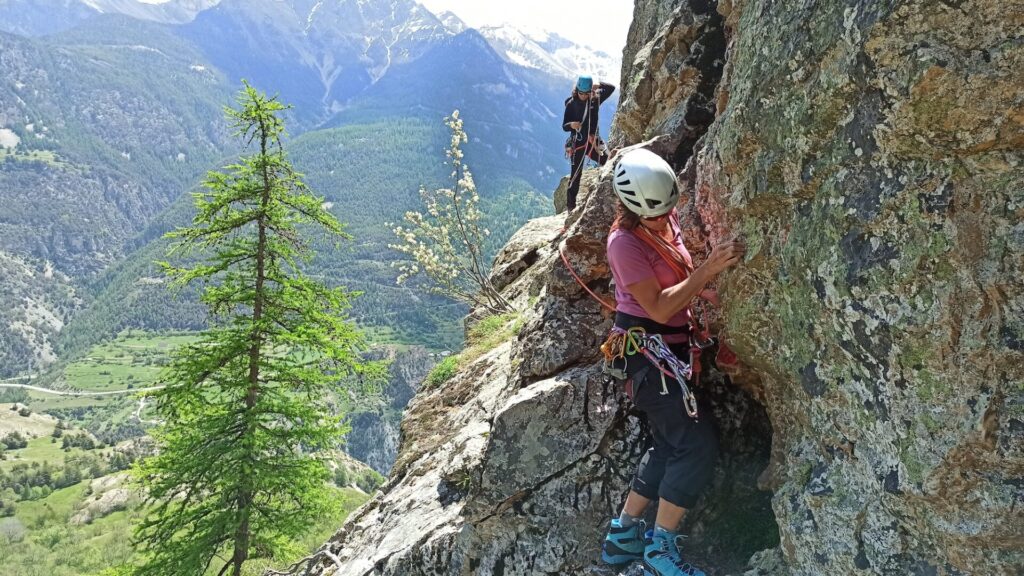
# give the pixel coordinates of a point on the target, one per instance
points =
(442, 372)
(369, 480)
(341, 477)
(464, 481)
(490, 327)
(14, 441)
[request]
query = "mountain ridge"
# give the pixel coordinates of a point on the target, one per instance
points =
(337, 63)
(551, 53)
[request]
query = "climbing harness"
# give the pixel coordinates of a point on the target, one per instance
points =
(593, 141)
(624, 342)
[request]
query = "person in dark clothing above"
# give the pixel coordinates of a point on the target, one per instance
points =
(581, 121)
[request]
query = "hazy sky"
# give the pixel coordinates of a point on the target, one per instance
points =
(600, 24)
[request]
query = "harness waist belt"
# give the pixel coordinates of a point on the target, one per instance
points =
(627, 321)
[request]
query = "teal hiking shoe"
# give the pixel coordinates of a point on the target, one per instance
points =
(662, 557)
(623, 545)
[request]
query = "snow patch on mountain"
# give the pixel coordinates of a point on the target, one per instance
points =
(550, 53)
(166, 11)
(312, 14)
(453, 23)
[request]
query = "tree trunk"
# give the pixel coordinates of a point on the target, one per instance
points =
(245, 497)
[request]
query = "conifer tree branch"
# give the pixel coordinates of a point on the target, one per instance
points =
(242, 410)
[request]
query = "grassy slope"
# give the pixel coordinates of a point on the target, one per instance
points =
(35, 424)
(92, 548)
(131, 359)
(39, 450)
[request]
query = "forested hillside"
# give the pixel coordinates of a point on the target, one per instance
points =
(109, 123)
(39, 17)
(370, 174)
(513, 115)
(44, 17)
(114, 120)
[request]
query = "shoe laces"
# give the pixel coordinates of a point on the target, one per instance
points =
(671, 549)
(641, 530)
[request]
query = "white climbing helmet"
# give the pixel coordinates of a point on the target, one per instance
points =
(645, 183)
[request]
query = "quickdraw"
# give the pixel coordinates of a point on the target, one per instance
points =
(622, 343)
(619, 345)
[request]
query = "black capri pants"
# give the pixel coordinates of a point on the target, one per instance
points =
(680, 463)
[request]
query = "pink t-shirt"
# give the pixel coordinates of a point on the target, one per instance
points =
(633, 261)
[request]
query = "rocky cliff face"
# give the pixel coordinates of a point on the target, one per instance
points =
(870, 154)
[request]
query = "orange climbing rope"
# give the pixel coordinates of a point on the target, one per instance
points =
(579, 280)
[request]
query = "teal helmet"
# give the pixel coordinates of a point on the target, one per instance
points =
(584, 84)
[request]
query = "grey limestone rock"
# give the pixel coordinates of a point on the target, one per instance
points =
(870, 155)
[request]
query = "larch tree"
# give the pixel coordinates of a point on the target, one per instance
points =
(246, 407)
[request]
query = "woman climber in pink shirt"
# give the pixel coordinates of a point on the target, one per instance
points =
(655, 283)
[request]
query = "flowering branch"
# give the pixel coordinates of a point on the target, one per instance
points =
(445, 244)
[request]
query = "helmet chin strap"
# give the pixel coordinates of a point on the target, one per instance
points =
(658, 226)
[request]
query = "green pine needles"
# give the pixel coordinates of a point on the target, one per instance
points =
(246, 407)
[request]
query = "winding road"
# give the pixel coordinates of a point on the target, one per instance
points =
(138, 411)
(81, 393)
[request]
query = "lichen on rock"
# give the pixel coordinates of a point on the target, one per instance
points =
(871, 156)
